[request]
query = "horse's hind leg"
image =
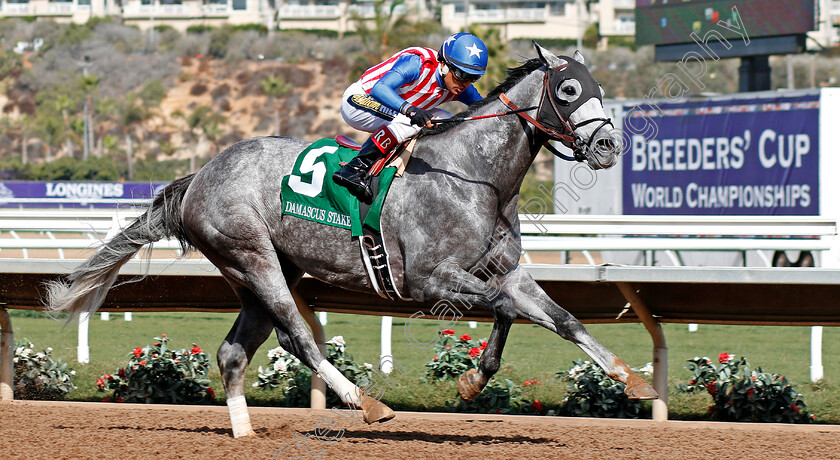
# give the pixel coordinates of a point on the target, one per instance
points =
(535, 305)
(265, 279)
(251, 329)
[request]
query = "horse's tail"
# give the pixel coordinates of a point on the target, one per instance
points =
(86, 287)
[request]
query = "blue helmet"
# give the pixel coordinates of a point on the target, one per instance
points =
(464, 52)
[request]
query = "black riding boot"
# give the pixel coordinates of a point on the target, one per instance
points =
(354, 175)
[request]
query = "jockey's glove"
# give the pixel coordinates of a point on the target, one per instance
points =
(418, 116)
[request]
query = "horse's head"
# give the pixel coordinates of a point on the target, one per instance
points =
(572, 109)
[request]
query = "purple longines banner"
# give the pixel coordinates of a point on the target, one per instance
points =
(74, 194)
(736, 157)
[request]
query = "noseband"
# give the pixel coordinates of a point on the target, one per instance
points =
(568, 136)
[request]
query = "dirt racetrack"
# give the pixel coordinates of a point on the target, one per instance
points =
(53, 430)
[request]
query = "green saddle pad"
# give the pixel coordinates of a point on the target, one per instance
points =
(310, 193)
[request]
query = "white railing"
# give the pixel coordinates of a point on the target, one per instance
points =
(504, 15)
(624, 4)
(16, 8)
(672, 234)
(64, 230)
(309, 11)
(61, 7)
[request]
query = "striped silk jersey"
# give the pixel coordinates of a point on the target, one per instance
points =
(423, 92)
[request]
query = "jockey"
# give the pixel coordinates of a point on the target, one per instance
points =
(396, 98)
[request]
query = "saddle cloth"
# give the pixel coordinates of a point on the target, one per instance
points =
(310, 193)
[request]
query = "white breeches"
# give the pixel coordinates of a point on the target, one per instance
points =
(369, 120)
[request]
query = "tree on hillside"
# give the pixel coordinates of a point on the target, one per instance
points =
(377, 32)
(274, 88)
(88, 84)
(200, 121)
(130, 115)
(498, 60)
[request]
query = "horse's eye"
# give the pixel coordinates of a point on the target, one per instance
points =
(570, 90)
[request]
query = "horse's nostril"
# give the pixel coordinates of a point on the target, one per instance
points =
(604, 146)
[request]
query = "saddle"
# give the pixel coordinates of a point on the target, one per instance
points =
(397, 158)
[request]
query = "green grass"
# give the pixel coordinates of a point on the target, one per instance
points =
(531, 353)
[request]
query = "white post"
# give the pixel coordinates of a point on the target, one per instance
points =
(105, 316)
(322, 317)
(692, 327)
(386, 360)
(128, 316)
(473, 324)
(83, 352)
(816, 353)
(7, 357)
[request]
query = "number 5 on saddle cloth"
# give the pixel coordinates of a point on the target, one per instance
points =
(309, 193)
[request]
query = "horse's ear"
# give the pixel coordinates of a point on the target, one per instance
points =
(579, 57)
(548, 57)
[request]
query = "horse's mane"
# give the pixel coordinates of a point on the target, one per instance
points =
(514, 76)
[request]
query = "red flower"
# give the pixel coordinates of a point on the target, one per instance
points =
(526, 383)
(465, 337)
(537, 405)
(106, 400)
(474, 352)
(750, 391)
(448, 347)
(436, 358)
(121, 373)
(163, 335)
(100, 383)
(711, 388)
(211, 393)
(120, 400)
(195, 350)
(794, 407)
(142, 362)
(724, 358)
(137, 352)
(448, 332)
(484, 345)
(108, 377)
(754, 378)
(157, 344)
(692, 382)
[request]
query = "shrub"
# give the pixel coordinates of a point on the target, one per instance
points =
(454, 356)
(293, 378)
(156, 374)
(499, 397)
(742, 394)
(590, 393)
(39, 375)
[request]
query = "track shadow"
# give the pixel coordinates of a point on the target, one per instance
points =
(364, 435)
(203, 429)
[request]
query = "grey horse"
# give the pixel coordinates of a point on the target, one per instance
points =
(450, 224)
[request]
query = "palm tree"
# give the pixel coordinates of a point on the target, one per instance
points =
(274, 88)
(88, 84)
(130, 115)
(377, 33)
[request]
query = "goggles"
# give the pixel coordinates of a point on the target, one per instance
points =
(463, 76)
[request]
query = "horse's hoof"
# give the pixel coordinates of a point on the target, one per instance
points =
(245, 434)
(467, 389)
(640, 390)
(378, 412)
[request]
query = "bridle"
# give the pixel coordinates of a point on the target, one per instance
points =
(568, 136)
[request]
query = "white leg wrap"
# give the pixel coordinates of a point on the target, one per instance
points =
(346, 390)
(239, 418)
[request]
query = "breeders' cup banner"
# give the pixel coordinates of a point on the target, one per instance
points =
(70, 194)
(735, 157)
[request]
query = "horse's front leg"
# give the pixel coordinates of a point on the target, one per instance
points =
(450, 283)
(533, 303)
